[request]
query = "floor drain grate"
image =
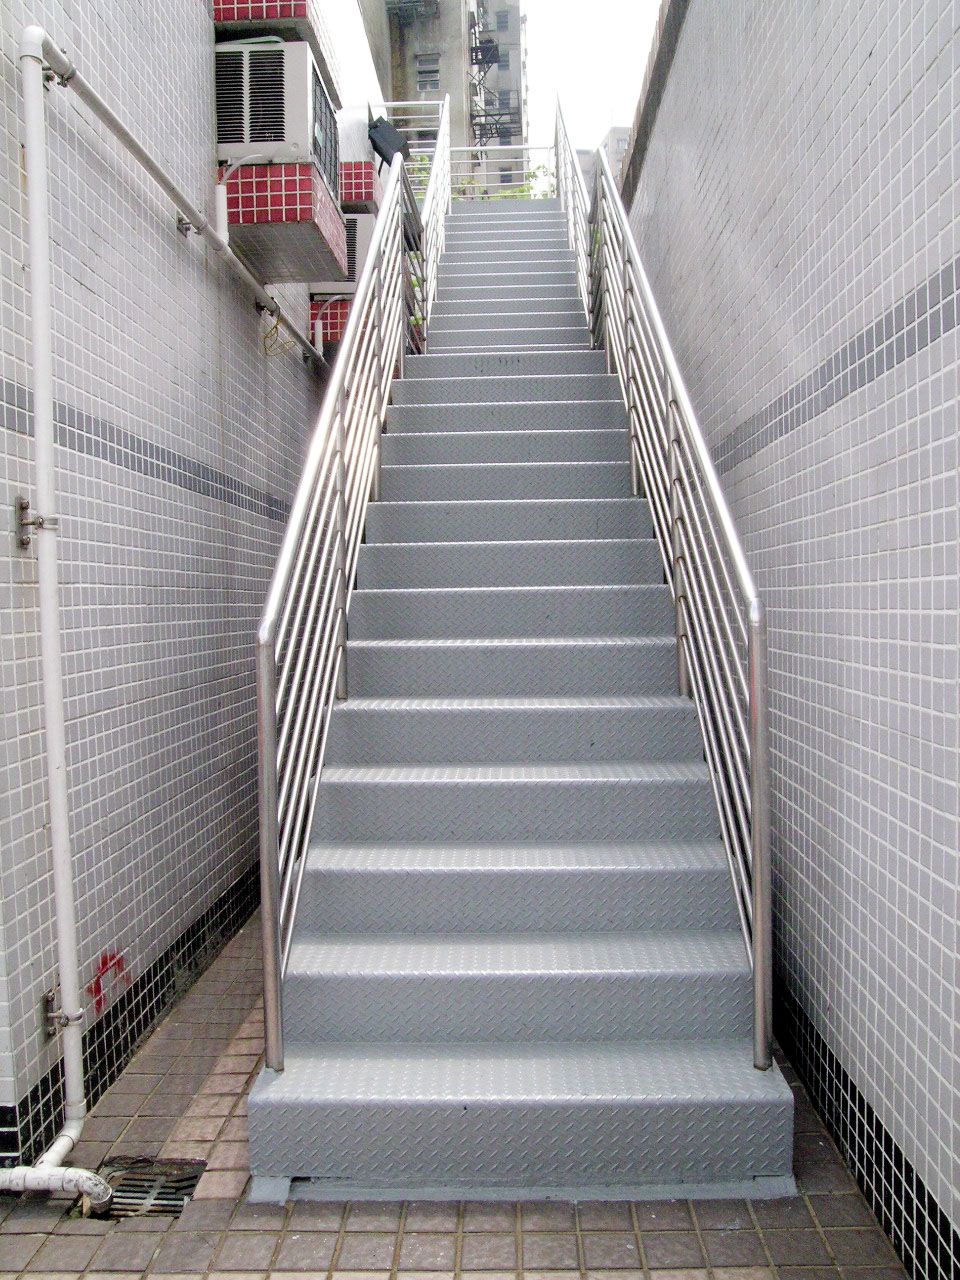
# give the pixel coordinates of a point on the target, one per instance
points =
(151, 1186)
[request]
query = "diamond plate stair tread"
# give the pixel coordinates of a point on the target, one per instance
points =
(494, 365)
(489, 481)
(438, 731)
(508, 387)
(431, 447)
(508, 519)
(555, 415)
(567, 1116)
(520, 666)
(569, 562)
(661, 855)
(681, 984)
(618, 771)
(503, 612)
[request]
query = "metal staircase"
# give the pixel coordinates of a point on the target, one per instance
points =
(517, 964)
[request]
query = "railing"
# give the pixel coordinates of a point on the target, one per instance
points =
(301, 642)
(435, 207)
(502, 171)
(420, 123)
(721, 624)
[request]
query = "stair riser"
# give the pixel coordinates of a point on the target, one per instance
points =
(509, 901)
(574, 340)
(528, 735)
(494, 389)
(505, 521)
(502, 612)
(509, 242)
(503, 1146)
(495, 282)
(516, 313)
(494, 481)
(435, 1008)
(555, 299)
(518, 232)
(444, 448)
(516, 811)
(520, 207)
(495, 365)
(526, 564)
(557, 416)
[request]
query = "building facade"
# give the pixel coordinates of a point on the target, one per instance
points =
(182, 422)
(793, 190)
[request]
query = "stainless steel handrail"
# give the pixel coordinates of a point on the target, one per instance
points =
(436, 206)
(301, 641)
(720, 618)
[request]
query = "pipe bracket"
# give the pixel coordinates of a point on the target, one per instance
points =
(26, 522)
(54, 1018)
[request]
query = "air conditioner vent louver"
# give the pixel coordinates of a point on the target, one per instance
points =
(229, 89)
(351, 225)
(265, 96)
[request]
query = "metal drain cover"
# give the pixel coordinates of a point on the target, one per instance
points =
(151, 1186)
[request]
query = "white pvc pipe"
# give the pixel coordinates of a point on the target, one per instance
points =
(36, 44)
(48, 1176)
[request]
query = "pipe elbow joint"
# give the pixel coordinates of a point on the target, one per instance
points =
(31, 42)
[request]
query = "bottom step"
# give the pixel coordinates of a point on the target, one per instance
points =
(468, 1119)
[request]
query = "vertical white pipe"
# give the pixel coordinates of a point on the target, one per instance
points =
(31, 63)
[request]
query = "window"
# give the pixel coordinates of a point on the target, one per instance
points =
(503, 99)
(504, 59)
(428, 72)
(506, 175)
(503, 20)
(326, 140)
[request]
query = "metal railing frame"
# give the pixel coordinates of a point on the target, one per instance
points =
(301, 640)
(720, 617)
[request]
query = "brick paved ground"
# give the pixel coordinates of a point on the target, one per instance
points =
(184, 1095)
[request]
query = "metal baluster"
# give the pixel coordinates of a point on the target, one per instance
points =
(341, 557)
(760, 871)
(378, 356)
(679, 580)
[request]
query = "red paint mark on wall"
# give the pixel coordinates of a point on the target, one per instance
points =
(111, 973)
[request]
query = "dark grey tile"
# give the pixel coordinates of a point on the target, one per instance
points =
(860, 1247)
(63, 1253)
(374, 1215)
(189, 1251)
(716, 1215)
(431, 1215)
(787, 1213)
(734, 1249)
(663, 1215)
(842, 1211)
(17, 1250)
(548, 1215)
(246, 1251)
(367, 1251)
(305, 1251)
(32, 1215)
(260, 1217)
(489, 1251)
(428, 1251)
(550, 1251)
(610, 1249)
(604, 1215)
(674, 1249)
(493, 1216)
(204, 1215)
(796, 1248)
(873, 1273)
(126, 1251)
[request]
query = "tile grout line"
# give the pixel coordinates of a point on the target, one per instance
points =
(398, 1243)
(458, 1249)
(518, 1239)
(638, 1236)
(338, 1243)
(581, 1254)
(707, 1263)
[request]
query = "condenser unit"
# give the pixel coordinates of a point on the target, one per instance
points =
(273, 108)
(359, 234)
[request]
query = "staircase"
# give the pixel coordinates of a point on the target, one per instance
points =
(517, 966)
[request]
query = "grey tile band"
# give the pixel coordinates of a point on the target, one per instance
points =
(85, 433)
(907, 327)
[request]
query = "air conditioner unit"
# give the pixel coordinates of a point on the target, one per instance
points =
(359, 234)
(272, 106)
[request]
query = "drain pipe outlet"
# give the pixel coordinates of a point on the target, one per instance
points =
(48, 1176)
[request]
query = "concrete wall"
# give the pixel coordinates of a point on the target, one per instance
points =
(180, 445)
(798, 211)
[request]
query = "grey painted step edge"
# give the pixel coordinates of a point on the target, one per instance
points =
(505, 388)
(427, 889)
(501, 668)
(508, 519)
(557, 415)
(495, 365)
(508, 297)
(509, 321)
(545, 1119)
(567, 562)
(463, 342)
(501, 612)
(535, 445)
(492, 480)
(514, 313)
(663, 800)
(676, 984)
(463, 731)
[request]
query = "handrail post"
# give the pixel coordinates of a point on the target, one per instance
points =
(377, 444)
(269, 852)
(679, 581)
(760, 838)
(629, 343)
(341, 561)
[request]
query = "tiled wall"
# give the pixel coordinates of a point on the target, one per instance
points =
(180, 442)
(798, 211)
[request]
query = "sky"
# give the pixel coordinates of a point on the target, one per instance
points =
(593, 54)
